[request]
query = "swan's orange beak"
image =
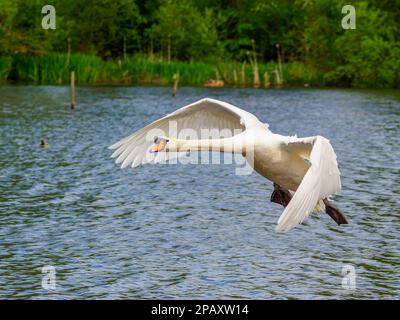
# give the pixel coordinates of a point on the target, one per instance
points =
(160, 144)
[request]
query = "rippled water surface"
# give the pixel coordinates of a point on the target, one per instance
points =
(190, 231)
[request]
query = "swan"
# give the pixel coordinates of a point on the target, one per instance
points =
(304, 171)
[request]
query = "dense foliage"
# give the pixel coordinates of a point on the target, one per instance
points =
(214, 32)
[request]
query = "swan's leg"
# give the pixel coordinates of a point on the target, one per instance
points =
(283, 197)
(334, 212)
(280, 195)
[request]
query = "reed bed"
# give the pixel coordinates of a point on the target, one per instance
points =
(5, 68)
(55, 68)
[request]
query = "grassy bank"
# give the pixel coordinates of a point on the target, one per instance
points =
(54, 69)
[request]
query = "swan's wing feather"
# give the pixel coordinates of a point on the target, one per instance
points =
(321, 180)
(204, 114)
(301, 146)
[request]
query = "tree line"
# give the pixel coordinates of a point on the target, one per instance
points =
(213, 31)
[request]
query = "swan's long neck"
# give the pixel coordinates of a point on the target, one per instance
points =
(228, 145)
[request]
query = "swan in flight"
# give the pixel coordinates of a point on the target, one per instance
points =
(304, 170)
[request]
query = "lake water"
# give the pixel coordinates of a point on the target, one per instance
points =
(190, 231)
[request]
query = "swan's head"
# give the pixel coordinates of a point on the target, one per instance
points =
(160, 144)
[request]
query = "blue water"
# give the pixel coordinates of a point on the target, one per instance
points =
(190, 231)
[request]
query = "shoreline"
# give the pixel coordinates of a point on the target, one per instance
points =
(13, 83)
(90, 70)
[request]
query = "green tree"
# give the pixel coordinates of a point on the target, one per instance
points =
(183, 32)
(8, 10)
(368, 55)
(102, 25)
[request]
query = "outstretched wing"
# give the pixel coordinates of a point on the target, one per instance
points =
(321, 180)
(203, 114)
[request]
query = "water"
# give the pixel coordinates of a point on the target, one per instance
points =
(187, 231)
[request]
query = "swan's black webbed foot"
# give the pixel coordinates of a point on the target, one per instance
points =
(283, 197)
(335, 213)
(280, 196)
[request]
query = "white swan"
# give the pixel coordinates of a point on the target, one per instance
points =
(304, 170)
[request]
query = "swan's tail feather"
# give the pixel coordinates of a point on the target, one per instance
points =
(335, 213)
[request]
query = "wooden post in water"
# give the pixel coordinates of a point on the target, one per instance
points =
(72, 90)
(176, 82)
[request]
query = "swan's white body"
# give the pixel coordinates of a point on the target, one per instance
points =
(306, 167)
